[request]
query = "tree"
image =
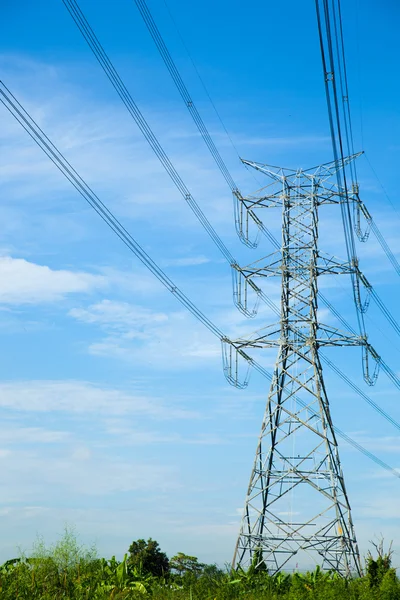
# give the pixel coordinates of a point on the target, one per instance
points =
(377, 568)
(182, 563)
(148, 558)
(389, 588)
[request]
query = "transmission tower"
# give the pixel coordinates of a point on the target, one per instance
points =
(297, 461)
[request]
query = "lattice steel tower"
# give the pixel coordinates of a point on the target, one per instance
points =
(297, 454)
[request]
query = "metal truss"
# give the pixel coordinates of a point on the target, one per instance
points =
(297, 507)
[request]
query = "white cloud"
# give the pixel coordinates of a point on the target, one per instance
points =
(175, 340)
(169, 349)
(128, 436)
(87, 474)
(82, 397)
(31, 435)
(381, 506)
(186, 261)
(103, 145)
(133, 278)
(389, 444)
(110, 153)
(119, 316)
(24, 282)
(284, 142)
(139, 334)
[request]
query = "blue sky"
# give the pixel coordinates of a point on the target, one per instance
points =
(116, 414)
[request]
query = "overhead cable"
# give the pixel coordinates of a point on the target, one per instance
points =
(386, 312)
(190, 105)
(337, 20)
(381, 184)
(183, 91)
(330, 26)
(125, 96)
(338, 431)
(359, 391)
(342, 70)
(328, 63)
(332, 19)
(141, 122)
(385, 246)
(33, 129)
(389, 372)
(202, 81)
(57, 158)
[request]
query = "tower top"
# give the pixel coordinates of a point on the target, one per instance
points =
(321, 172)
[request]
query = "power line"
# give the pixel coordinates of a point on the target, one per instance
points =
(328, 63)
(381, 185)
(109, 69)
(160, 44)
(389, 372)
(338, 28)
(358, 391)
(385, 247)
(190, 105)
(201, 79)
(141, 122)
(333, 23)
(386, 312)
(57, 158)
(339, 432)
(334, 16)
(359, 78)
(111, 73)
(183, 91)
(103, 59)
(116, 81)
(33, 129)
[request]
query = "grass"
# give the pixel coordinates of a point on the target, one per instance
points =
(68, 570)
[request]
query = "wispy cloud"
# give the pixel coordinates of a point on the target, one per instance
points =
(128, 436)
(82, 397)
(390, 444)
(11, 436)
(90, 474)
(139, 334)
(24, 282)
(89, 423)
(186, 261)
(119, 316)
(301, 140)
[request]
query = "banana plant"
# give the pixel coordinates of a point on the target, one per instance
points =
(117, 577)
(281, 581)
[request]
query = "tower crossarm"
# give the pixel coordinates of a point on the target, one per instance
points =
(274, 264)
(326, 195)
(321, 172)
(295, 337)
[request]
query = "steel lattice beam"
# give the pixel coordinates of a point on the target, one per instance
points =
(297, 461)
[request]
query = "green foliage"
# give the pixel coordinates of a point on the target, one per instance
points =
(117, 579)
(182, 563)
(148, 558)
(378, 567)
(68, 571)
(257, 564)
(389, 588)
(64, 570)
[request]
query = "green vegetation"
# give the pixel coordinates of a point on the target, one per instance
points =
(70, 571)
